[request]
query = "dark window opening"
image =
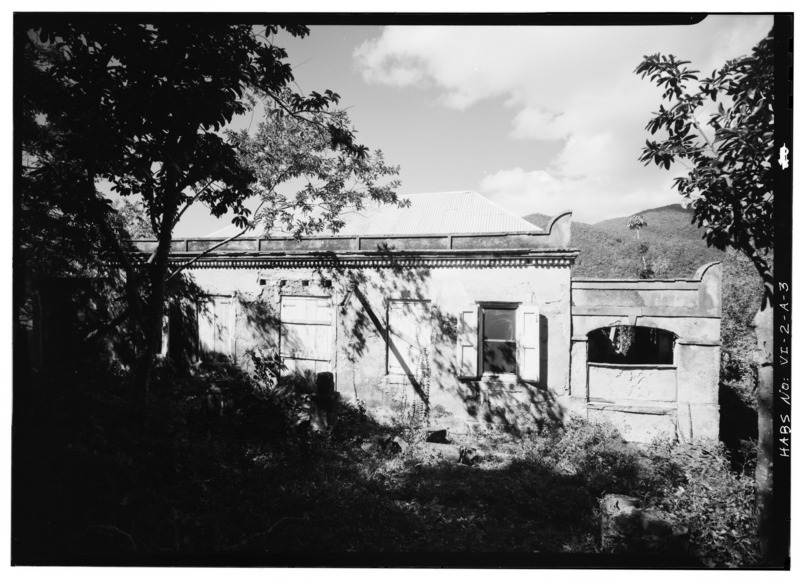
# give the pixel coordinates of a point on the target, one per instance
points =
(499, 340)
(629, 345)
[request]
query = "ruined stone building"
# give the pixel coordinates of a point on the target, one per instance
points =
(457, 311)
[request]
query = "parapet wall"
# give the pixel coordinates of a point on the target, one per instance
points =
(690, 309)
(556, 237)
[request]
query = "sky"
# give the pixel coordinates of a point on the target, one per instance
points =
(538, 119)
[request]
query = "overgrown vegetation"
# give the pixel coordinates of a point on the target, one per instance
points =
(221, 464)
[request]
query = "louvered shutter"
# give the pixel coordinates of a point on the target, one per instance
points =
(205, 325)
(467, 345)
(224, 325)
(216, 321)
(306, 333)
(528, 342)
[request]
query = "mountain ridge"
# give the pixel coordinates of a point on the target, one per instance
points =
(675, 247)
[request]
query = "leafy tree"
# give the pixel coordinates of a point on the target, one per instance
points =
(636, 223)
(728, 154)
(304, 185)
(133, 217)
(141, 106)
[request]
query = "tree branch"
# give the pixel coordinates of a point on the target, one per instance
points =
(215, 247)
(696, 124)
(192, 200)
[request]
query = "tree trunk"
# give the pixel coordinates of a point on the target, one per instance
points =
(152, 334)
(764, 465)
(158, 285)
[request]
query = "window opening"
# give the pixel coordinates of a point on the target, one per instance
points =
(631, 345)
(499, 343)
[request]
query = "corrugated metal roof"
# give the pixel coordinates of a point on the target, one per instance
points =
(428, 214)
(436, 213)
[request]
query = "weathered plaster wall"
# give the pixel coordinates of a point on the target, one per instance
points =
(360, 298)
(631, 397)
(636, 423)
(653, 383)
(451, 291)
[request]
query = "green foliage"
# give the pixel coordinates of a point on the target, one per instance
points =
(267, 366)
(609, 251)
(693, 481)
(716, 503)
(193, 478)
(286, 148)
(142, 106)
(741, 295)
(636, 222)
(133, 215)
(730, 182)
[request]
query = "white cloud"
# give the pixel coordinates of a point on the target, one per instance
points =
(590, 198)
(574, 86)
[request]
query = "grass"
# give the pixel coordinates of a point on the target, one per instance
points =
(94, 476)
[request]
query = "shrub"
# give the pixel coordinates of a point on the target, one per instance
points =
(716, 503)
(281, 393)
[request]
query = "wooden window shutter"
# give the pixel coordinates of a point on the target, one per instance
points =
(224, 321)
(467, 345)
(528, 342)
(205, 325)
(216, 323)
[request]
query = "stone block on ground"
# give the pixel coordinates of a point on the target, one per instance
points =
(626, 527)
(438, 437)
(468, 456)
(393, 444)
(435, 452)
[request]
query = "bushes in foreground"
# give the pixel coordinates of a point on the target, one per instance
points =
(193, 476)
(693, 481)
(714, 501)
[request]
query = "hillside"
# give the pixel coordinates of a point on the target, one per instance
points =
(610, 250)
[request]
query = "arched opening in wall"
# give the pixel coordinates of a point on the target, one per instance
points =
(631, 345)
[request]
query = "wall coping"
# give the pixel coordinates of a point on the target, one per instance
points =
(644, 283)
(659, 366)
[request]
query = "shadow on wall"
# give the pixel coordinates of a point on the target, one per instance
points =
(364, 325)
(365, 338)
(515, 406)
(185, 300)
(492, 401)
(87, 318)
(262, 318)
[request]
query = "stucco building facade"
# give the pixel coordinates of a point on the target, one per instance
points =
(459, 313)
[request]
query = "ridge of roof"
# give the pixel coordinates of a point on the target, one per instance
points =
(465, 191)
(475, 214)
